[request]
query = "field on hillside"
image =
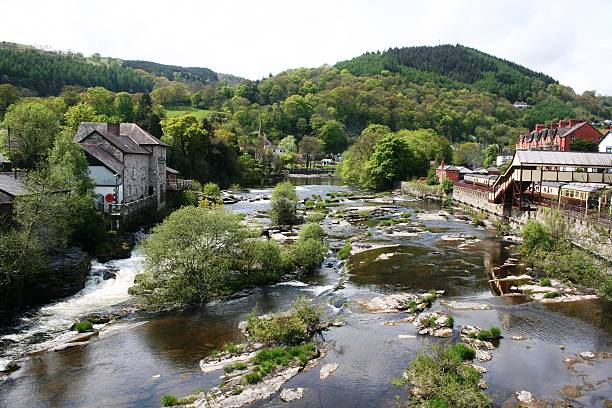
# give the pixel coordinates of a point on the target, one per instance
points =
(173, 112)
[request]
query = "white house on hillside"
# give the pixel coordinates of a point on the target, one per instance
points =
(605, 144)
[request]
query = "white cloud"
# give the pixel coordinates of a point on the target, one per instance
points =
(252, 38)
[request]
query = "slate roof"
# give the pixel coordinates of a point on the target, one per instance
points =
(11, 185)
(172, 171)
(103, 157)
(557, 158)
(139, 135)
(123, 142)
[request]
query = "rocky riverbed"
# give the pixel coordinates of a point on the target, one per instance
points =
(394, 261)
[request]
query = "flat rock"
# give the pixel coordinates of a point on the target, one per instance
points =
(587, 355)
(480, 369)
(519, 338)
(327, 369)
(483, 355)
(443, 332)
(209, 366)
(406, 336)
(65, 346)
(525, 397)
(389, 303)
(465, 305)
(291, 394)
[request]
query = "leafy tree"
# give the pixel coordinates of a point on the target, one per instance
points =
(9, 94)
(189, 256)
(392, 160)
(581, 145)
(146, 117)
(124, 107)
(549, 110)
(33, 128)
(190, 146)
(284, 203)
(100, 99)
(468, 154)
(310, 147)
(353, 166)
(68, 166)
(288, 144)
(490, 155)
(333, 136)
(81, 112)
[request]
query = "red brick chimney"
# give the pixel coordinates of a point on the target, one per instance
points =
(574, 122)
(539, 127)
(563, 123)
(112, 129)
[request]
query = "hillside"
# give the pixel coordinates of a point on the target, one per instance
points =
(452, 66)
(46, 72)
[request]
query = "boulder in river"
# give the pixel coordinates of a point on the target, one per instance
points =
(291, 394)
(434, 324)
(327, 369)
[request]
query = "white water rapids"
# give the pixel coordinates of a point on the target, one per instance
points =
(54, 320)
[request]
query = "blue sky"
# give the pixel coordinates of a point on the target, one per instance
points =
(571, 41)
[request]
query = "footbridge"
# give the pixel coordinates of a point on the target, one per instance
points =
(532, 167)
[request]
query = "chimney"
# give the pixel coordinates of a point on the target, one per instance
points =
(563, 123)
(112, 129)
(539, 127)
(574, 122)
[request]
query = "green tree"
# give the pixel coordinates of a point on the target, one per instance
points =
(288, 144)
(124, 107)
(100, 99)
(146, 117)
(68, 166)
(311, 148)
(190, 146)
(284, 203)
(490, 155)
(333, 136)
(468, 154)
(353, 167)
(581, 145)
(9, 94)
(393, 160)
(189, 256)
(81, 112)
(33, 128)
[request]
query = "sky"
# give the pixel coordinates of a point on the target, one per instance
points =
(571, 41)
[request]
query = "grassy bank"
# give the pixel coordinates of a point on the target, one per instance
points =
(175, 111)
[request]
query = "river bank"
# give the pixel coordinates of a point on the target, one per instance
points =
(146, 356)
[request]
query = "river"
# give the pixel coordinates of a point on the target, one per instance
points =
(144, 356)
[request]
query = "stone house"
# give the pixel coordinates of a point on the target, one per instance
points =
(127, 164)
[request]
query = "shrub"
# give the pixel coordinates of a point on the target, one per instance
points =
(312, 231)
(315, 216)
(551, 295)
(292, 327)
(309, 203)
(492, 333)
(252, 378)
(83, 327)
(443, 380)
(535, 236)
(429, 298)
(211, 190)
(545, 282)
(232, 348)
(345, 251)
(306, 254)
(462, 352)
(169, 400)
(235, 366)
(307, 312)
(284, 203)
(446, 186)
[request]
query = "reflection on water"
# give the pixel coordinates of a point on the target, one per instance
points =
(138, 364)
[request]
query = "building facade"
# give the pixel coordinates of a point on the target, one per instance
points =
(127, 163)
(558, 136)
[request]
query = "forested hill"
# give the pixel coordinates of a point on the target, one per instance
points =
(173, 72)
(452, 66)
(45, 72)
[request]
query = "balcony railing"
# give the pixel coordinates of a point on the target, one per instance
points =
(179, 185)
(133, 208)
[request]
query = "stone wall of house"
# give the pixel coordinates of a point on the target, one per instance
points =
(135, 177)
(97, 139)
(157, 172)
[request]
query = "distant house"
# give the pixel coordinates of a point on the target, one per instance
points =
(174, 182)
(445, 171)
(520, 105)
(127, 164)
(558, 136)
(11, 186)
(605, 145)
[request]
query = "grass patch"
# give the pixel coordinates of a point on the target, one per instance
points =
(83, 327)
(429, 298)
(169, 400)
(232, 348)
(289, 328)
(545, 282)
(551, 295)
(345, 251)
(267, 360)
(492, 333)
(238, 366)
(173, 112)
(444, 380)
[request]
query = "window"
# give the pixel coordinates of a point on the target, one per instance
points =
(609, 149)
